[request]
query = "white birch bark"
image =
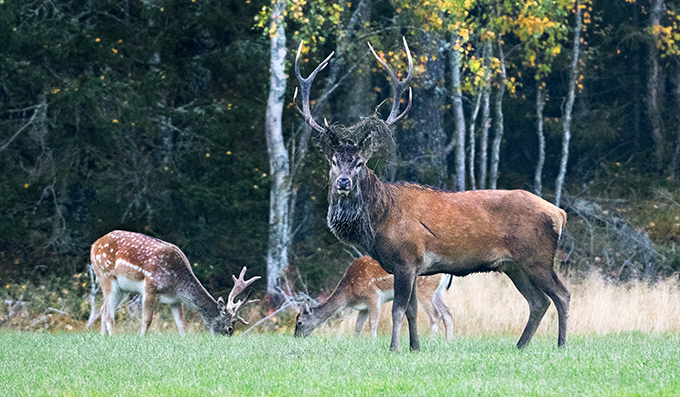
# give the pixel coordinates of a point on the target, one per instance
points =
(279, 163)
(566, 122)
(538, 176)
(498, 137)
(456, 59)
(653, 85)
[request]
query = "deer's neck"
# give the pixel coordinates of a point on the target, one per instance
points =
(193, 294)
(354, 218)
(337, 301)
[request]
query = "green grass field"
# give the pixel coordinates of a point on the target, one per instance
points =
(625, 364)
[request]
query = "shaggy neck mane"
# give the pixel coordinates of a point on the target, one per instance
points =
(354, 218)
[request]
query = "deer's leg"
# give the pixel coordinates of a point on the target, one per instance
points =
(538, 302)
(105, 315)
(111, 301)
(412, 317)
(374, 316)
(548, 282)
(445, 314)
(433, 315)
(361, 320)
(404, 280)
(178, 315)
(148, 300)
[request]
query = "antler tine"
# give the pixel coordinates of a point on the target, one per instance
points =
(305, 87)
(240, 285)
(397, 86)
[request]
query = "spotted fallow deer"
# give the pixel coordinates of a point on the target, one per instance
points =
(414, 230)
(365, 287)
(127, 262)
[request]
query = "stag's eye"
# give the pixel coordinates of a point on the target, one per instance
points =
(335, 163)
(360, 164)
(299, 322)
(230, 329)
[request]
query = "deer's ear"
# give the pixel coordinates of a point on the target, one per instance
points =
(221, 306)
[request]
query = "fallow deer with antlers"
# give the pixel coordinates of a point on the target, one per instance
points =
(366, 287)
(414, 230)
(133, 263)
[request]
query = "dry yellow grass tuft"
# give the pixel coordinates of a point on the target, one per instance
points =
(489, 304)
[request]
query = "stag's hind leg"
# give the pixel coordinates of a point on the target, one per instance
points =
(538, 302)
(548, 282)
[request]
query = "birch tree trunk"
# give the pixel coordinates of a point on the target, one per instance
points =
(566, 122)
(484, 136)
(424, 138)
(653, 85)
(540, 102)
(498, 137)
(471, 139)
(486, 120)
(456, 59)
(279, 165)
(676, 91)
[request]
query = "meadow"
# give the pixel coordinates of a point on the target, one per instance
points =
(86, 364)
(624, 341)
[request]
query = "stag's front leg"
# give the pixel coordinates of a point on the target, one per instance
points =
(412, 317)
(404, 280)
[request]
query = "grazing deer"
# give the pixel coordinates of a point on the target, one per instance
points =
(127, 262)
(365, 287)
(414, 230)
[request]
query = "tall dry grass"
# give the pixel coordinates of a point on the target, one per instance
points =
(489, 304)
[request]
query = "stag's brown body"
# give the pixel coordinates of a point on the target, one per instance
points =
(417, 230)
(414, 230)
(365, 287)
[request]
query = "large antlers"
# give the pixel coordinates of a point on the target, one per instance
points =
(239, 286)
(305, 86)
(397, 86)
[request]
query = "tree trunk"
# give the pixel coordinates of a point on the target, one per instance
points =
(279, 166)
(566, 122)
(637, 84)
(540, 102)
(676, 92)
(471, 139)
(484, 136)
(456, 59)
(425, 138)
(653, 86)
(486, 120)
(497, 139)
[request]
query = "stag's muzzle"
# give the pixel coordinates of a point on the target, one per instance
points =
(343, 185)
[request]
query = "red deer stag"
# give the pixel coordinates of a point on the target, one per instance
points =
(365, 287)
(414, 230)
(127, 262)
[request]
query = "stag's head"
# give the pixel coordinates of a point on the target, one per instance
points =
(225, 322)
(347, 149)
(306, 322)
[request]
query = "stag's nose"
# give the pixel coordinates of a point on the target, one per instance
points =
(344, 183)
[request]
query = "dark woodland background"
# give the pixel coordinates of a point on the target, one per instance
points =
(149, 116)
